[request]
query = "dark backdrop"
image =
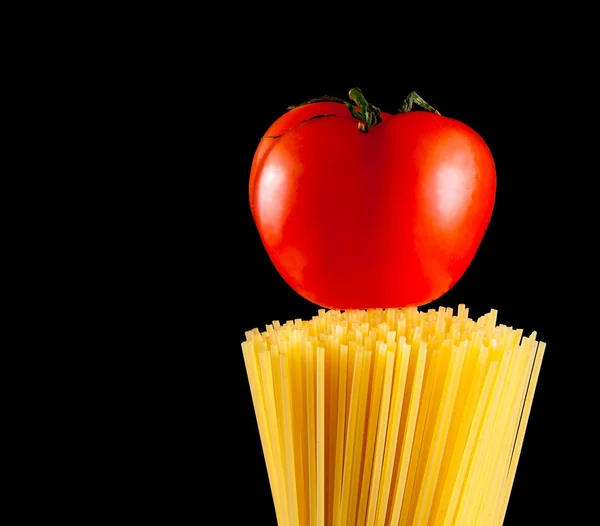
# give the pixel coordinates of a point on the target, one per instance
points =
(516, 270)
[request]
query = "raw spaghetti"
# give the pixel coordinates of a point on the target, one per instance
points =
(387, 417)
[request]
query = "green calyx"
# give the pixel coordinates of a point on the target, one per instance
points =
(367, 114)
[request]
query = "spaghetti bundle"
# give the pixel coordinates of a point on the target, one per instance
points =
(397, 416)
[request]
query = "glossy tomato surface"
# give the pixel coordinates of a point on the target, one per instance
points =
(388, 218)
(292, 118)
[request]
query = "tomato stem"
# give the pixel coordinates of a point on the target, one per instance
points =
(414, 98)
(367, 114)
(371, 115)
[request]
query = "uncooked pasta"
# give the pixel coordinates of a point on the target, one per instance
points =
(386, 417)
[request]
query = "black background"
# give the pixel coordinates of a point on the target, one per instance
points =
(517, 269)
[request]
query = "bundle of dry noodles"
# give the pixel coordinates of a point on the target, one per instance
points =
(387, 417)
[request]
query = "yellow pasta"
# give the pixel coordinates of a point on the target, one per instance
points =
(392, 417)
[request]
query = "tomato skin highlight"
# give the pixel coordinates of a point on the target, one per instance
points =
(388, 218)
(288, 120)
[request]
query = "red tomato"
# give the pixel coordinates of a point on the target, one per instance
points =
(388, 218)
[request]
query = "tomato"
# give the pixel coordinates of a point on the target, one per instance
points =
(389, 218)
